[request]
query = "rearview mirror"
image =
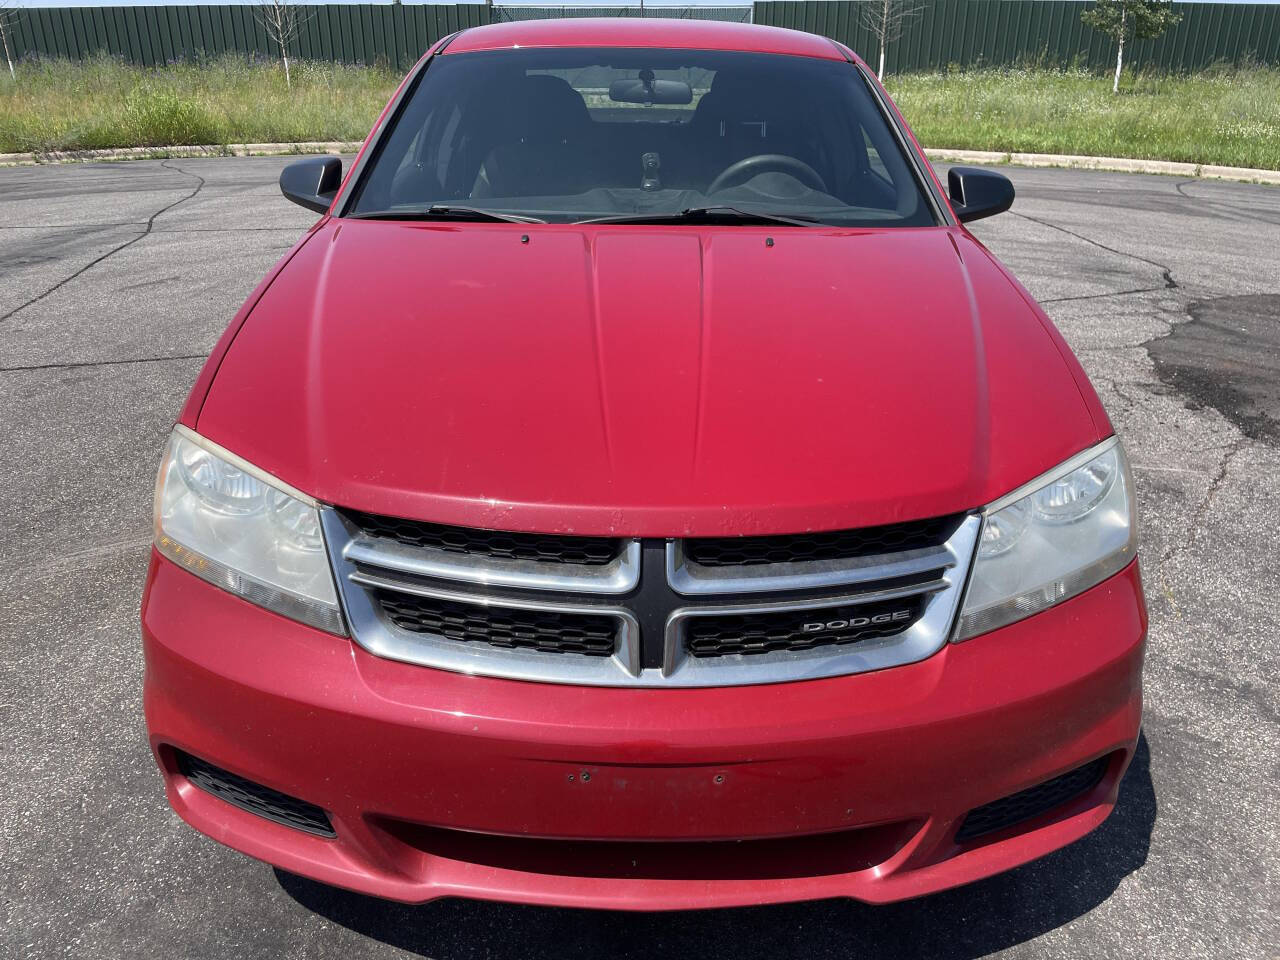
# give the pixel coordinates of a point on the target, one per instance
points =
(313, 182)
(977, 193)
(648, 90)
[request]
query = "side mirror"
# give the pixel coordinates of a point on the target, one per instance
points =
(977, 193)
(313, 182)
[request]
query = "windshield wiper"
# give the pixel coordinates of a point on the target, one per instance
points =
(447, 211)
(710, 214)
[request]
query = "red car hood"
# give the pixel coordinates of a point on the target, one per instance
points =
(648, 381)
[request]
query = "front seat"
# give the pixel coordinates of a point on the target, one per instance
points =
(739, 118)
(542, 142)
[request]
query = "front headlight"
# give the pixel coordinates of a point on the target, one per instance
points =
(241, 529)
(1054, 538)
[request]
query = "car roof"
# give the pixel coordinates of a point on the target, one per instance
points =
(644, 32)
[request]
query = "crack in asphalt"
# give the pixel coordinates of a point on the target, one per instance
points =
(1100, 296)
(1236, 213)
(143, 223)
(150, 224)
(1117, 387)
(1197, 523)
(71, 226)
(1230, 452)
(71, 365)
(59, 564)
(1166, 271)
(1251, 693)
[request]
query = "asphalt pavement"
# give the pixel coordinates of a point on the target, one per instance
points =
(115, 281)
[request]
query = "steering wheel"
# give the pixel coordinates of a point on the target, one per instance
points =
(749, 167)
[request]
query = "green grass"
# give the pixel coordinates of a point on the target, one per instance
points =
(1221, 116)
(1228, 116)
(57, 105)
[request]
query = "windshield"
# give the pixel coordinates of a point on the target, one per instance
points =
(571, 134)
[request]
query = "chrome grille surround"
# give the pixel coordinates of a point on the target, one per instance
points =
(935, 576)
(923, 638)
(693, 580)
(360, 564)
(619, 576)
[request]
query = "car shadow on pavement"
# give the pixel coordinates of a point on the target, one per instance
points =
(960, 924)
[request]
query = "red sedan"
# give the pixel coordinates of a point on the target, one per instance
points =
(639, 490)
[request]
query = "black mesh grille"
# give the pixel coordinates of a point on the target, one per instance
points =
(839, 545)
(550, 631)
(254, 797)
(1029, 803)
(547, 548)
(799, 629)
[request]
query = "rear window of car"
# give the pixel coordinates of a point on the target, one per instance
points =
(568, 134)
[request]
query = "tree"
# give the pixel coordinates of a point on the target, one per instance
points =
(886, 20)
(8, 19)
(1124, 20)
(282, 21)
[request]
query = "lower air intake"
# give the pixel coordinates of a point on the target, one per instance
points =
(1032, 802)
(254, 797)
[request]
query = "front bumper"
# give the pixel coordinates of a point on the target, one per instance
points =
(441, 784)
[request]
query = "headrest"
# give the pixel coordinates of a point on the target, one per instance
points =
(735, 97)
(545, 107)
